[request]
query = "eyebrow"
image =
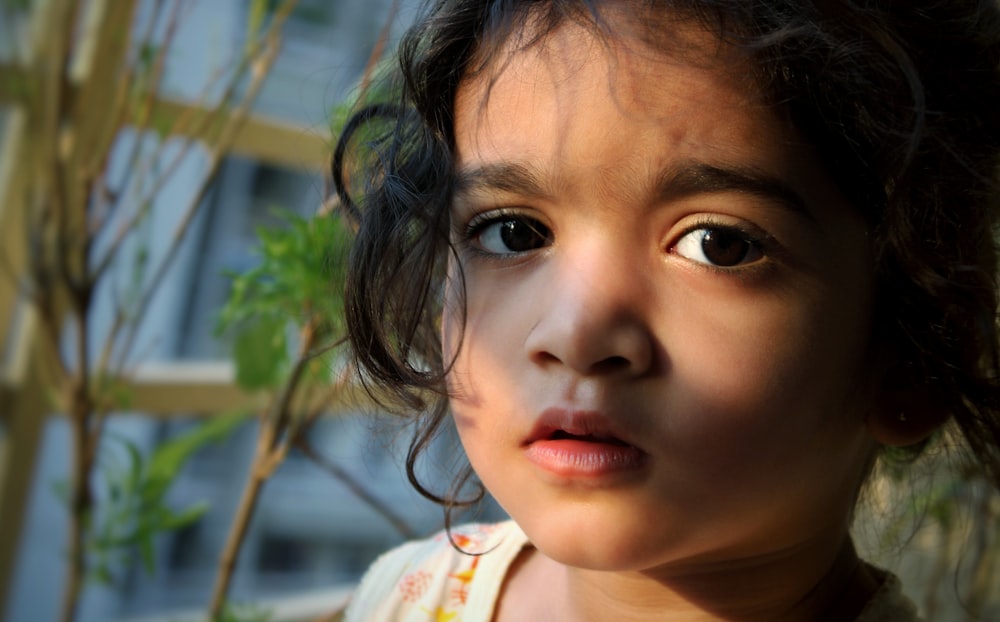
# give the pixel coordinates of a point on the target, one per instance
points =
(504, 177)
(684, 180)
(695, 178)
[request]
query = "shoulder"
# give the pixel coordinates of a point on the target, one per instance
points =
(889, 604)
(432, 579)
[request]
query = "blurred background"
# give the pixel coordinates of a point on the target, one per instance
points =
(177, 438)
(136, 134)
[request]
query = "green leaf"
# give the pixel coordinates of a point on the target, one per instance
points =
(147, 56)
(146, 551)
(135, 512)
(16, 5)
(261, 354)
(101, 575)
(134, 462)
(189, 516)
(297, 281)
(60, 488)
(238, 612)
(167, 459)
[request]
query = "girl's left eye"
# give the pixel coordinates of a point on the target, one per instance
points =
(724, 247)
(510, 235)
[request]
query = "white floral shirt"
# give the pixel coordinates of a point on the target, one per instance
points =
(430, 581)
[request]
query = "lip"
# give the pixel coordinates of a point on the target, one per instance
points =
(578, 444)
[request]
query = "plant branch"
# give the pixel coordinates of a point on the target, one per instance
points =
(125, 82)
(111, 126)
(272, 446)
(178, 127)
(142, 121)
(142, 118)
(357, 488)
(378, 49)
(80, 410)
(225, 138)
(238, 529)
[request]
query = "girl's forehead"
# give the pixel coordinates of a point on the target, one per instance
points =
(630, 50)
(541, 84)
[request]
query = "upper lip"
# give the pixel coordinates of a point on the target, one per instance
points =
(590, 424)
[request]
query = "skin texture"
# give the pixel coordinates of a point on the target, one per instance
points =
(742, 387)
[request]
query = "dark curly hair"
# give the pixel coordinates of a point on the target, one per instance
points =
(902, 100)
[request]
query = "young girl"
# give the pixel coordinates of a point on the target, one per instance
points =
(678, 271)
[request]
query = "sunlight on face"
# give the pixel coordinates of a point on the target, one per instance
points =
(668, 305)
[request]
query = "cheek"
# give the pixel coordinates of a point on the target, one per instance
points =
(476, 335)
(451, 332)
(487, 327)
(488, 397)
(766, 373)
(453, 315)
(763, 405)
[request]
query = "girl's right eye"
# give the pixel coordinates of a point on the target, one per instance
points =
(509, 235)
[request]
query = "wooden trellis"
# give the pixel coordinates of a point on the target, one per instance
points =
(159, 391)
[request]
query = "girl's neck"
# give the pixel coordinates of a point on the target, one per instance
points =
(813, 583)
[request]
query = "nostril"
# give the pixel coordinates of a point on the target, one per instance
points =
(610, 364)
(592, 343)
(546, 358)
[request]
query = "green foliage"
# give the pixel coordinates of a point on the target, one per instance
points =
(320, 14)
(379, 87)
(15, 85)
(115, 390)
(16, 5)
(235, 612)
(143, 87)
(136, 509)
(367, 138)
(297, 282)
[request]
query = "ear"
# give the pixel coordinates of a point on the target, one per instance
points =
(904, 414)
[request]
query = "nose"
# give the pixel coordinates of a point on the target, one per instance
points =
(593, 320)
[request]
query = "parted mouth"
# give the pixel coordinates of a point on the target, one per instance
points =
(558, 435)
(584, 447)
(556, 424)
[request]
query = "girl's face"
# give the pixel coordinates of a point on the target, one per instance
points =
(668, 307)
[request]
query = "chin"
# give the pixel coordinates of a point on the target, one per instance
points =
(584, 539)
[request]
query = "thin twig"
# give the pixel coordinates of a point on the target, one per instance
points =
(50, 334)
(202, 126)
(178, 127)
(206, 121)
(269, 454)
(126, 83)
(378, 49)
(235, 536)
(141, 121)
(357, 488)
(236, 121)
(98, 170)
(280, 413)
(81, 498)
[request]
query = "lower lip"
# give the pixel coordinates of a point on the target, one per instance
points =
(572, 458)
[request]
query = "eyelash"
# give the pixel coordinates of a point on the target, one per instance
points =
(763, 242)
(472, 232)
